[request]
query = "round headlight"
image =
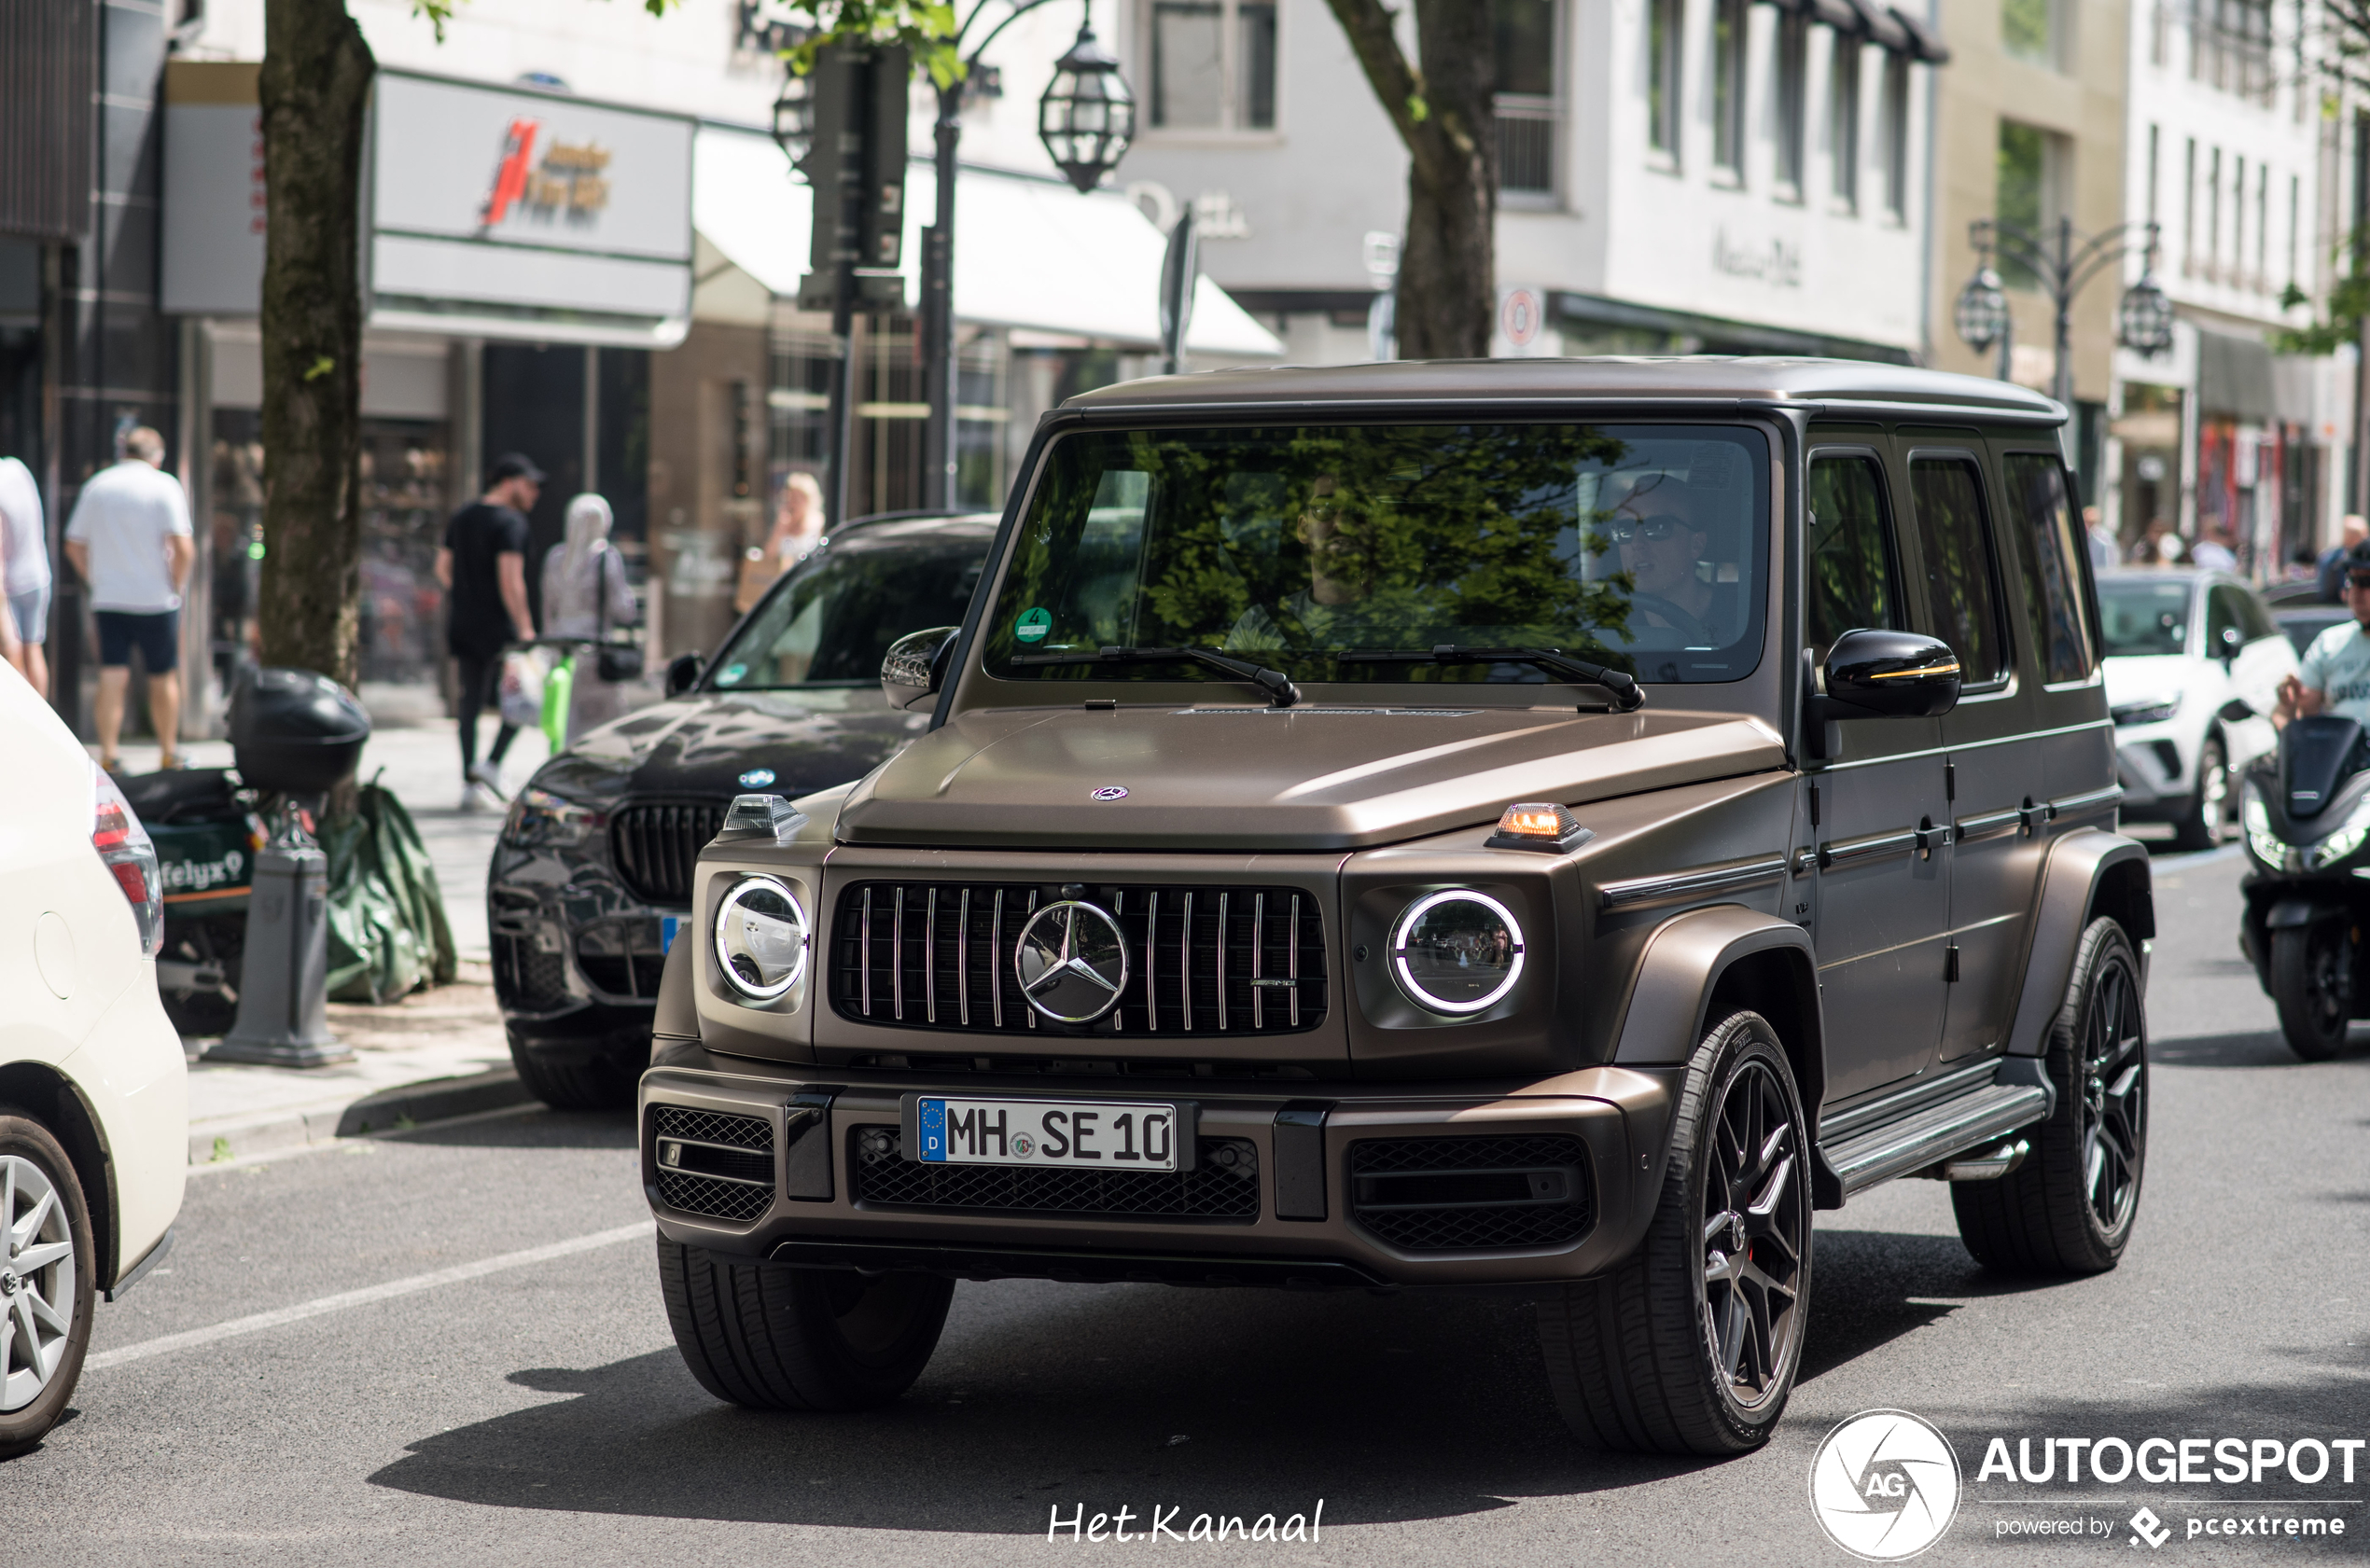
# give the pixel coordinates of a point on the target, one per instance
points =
(761, 939)
(1457, 951)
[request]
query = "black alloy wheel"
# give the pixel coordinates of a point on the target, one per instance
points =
(1755, 1212)
(2070, 1208)
(2312, 985)
(1690, 1344)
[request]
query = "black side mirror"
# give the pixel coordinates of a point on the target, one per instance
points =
(682, 673)
(915, 666)
(1892, 674)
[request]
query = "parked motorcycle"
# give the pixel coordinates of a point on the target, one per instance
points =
(294, 735)
(2307, 813)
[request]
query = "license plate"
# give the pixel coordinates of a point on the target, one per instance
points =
(1083, 1135)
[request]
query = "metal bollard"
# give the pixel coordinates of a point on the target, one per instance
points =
(283, 978)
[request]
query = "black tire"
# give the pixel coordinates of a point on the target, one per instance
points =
(2312, 986)
(2068, 1209)
(2206, 821)
(775, 1338)
(603, 1083)
(41, 1396)
(1684, 1347)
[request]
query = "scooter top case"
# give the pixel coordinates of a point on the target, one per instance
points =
(206, 839)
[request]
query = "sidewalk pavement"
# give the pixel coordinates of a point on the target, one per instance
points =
(436, 1054)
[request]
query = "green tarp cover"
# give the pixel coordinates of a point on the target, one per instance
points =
(387, 933)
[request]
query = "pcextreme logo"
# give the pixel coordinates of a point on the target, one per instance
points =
(1884, 1485)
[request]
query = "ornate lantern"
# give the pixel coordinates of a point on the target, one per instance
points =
(1087, 117)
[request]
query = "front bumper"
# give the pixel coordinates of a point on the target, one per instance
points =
(576, 954)
(2156, 767)
(1309, 1224)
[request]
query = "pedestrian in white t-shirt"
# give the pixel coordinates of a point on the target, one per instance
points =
(26, 551)
(130, 538)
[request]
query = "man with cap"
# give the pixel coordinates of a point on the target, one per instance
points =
(2334, 676)
(483, 566)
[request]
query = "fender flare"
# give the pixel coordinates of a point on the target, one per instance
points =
(1681, 968)
(2082, 865)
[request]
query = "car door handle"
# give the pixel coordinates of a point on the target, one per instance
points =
(1876, 846)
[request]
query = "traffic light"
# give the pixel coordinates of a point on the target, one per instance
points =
(856, 166)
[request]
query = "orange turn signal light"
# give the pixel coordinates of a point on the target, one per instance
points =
(1539, 825)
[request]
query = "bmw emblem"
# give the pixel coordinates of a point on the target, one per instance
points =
(1108, 792)
(757, 778)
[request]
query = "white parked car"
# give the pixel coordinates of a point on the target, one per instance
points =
(2194, 666)
(94, 1095)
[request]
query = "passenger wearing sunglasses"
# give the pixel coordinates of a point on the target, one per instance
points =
(1341, 578)
(1661, 531)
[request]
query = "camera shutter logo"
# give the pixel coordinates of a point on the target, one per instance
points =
(1885, 1485)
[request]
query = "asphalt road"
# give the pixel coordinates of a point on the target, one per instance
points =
(537, 1412)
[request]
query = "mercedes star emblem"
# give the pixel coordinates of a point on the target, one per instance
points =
(1072, 962)
(1108, 792)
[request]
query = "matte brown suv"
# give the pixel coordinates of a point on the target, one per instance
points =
(1540, 824)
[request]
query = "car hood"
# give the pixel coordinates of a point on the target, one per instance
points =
(2139, 678)
(699, 745)
(1309, 778)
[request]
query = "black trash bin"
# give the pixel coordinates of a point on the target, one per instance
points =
(295, 732)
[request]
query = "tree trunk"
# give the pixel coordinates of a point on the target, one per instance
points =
(1443, 112)
(314, 87)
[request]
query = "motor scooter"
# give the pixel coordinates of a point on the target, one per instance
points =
(207, 828)
(2306, 809)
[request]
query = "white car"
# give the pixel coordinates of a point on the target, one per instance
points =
(94, 1095)
(2194, 666)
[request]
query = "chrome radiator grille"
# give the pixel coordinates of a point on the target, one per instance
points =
(1201, 959)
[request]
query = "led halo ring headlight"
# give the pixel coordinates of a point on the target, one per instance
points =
(1457, 952)
(761, 939)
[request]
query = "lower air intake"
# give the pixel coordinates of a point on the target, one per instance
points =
(711, 1164)
(1223, 1187)
(1484, 1194)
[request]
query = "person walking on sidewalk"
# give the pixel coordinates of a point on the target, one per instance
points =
(586, 595)
(27, 544)
(130, 540)
(482, 565)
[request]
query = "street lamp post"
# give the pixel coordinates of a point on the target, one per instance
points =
(1086, 120)
(2063, 263)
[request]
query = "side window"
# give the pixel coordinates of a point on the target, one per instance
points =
(2254, 619)
(2042, 517)
(1850, 550)
(2225, 634)
(1946, 495)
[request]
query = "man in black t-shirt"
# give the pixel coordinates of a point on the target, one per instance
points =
(483, 566)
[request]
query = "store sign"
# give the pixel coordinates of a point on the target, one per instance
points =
(1773, 261)
(520, 215)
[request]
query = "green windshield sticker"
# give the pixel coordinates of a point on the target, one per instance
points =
(730, 674)
(1033, 625)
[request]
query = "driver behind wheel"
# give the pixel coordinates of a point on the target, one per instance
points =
(2334, 676)
(1663, 528)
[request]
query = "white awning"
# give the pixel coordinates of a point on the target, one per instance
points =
(1029, 253)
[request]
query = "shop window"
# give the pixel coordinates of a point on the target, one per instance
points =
(1729, 33)
(1843, 119)
(1527, 112)
(2027, 195)
(1793, 75)
(1213, 66)
(1665, 47)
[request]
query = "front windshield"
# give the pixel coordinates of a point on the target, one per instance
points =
(2144, 617)
(1643, 549)
(830, 624)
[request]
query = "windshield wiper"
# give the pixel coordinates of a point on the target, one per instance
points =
(1281, 692)
(1627, 695)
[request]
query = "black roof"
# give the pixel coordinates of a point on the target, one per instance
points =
(1840, 386)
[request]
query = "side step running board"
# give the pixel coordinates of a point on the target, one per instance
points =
(1983, 1114)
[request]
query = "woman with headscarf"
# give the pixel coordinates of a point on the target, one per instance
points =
(585, 594)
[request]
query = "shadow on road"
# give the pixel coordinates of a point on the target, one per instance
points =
(2263, 1049)
(1390, 1407)
(539, 1128)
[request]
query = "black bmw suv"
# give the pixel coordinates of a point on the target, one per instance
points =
(593, 871)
